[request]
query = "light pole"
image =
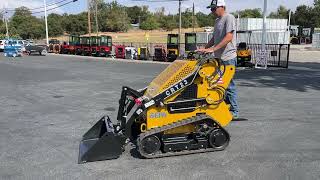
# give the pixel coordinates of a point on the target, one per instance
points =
(179, 27)
(45, 17)
(289, 21)
(264, 32)
(97, 25)
(6, 22)
(261, 60)
(89, 19)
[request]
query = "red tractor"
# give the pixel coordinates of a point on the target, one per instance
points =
(94, 47)
(69, 47)
(120, 51)
(85, 46)
(160, 53)
(105, 45)
(77, 46)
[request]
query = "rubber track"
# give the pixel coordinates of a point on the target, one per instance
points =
(174, 125)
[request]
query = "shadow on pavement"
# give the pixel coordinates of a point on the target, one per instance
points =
(298, 77)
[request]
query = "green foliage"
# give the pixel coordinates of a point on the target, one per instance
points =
(55, 25)
(186, 18)
(2, 27)
(111, 17)
(281, 13)
(116, 18)
(303, 16)
(2, 36)
(249, 13)
(75, 24)
(169, 23)
(205, 20)
(26, 25)
(150, 23)
(137, 14)
(316, 13)
(14, 36)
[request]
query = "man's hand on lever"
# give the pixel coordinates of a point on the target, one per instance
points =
(206, 50)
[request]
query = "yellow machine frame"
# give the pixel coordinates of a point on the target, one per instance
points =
(175, 72)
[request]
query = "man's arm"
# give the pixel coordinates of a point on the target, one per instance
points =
(210, 43)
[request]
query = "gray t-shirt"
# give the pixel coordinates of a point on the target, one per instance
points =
(224, 25)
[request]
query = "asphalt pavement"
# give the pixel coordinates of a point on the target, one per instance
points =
(49, 102)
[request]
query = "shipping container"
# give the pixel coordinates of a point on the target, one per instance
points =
(316, 40)
(204, 37)
(256, 24)
(280, 37)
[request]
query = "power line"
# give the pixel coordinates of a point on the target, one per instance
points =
(180, 16)
(55, 7)
(41, 7)
(50, 4)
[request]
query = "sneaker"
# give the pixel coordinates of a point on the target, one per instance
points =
(235, 117)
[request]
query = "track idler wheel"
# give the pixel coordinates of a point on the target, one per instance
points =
(150, 145)
(218, 138)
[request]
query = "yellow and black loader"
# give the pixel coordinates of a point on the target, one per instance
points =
(182, 111)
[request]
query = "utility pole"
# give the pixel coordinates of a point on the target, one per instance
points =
(7, 30)
(139, 20)
(6, 22)
(97, 25)
(193, 19)
(89, 19)
(45, 17)
(180, 27)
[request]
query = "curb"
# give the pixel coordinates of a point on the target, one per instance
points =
(111, 59)
(305, 49)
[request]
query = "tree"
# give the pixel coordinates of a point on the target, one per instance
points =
(160, 17)
(26, 25)
(281, 13)
(316, 13)
(150, 23)
(116, 18)
(137, 14)
(112, 17)
(169, 23)
(55, 25)
(75, 24)
(186, 20)
(249, 13)
(205, 20)
(2, 25)
(303, 16)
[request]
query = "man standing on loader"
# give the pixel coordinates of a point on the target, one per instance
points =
(224, 47)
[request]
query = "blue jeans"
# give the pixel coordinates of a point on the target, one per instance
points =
(231, 94)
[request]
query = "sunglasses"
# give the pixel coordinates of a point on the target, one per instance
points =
(215, 8)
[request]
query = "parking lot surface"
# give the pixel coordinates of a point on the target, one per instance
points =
(49, 102)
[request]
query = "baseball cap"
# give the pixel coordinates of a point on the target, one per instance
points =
(217, 3)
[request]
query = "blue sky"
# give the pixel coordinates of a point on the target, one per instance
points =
(172, 7)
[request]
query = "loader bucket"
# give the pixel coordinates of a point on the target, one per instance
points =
(101, 142)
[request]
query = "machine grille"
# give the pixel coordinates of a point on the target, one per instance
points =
(174, 73)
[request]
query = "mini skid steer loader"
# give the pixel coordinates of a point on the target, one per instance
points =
(182, 111)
